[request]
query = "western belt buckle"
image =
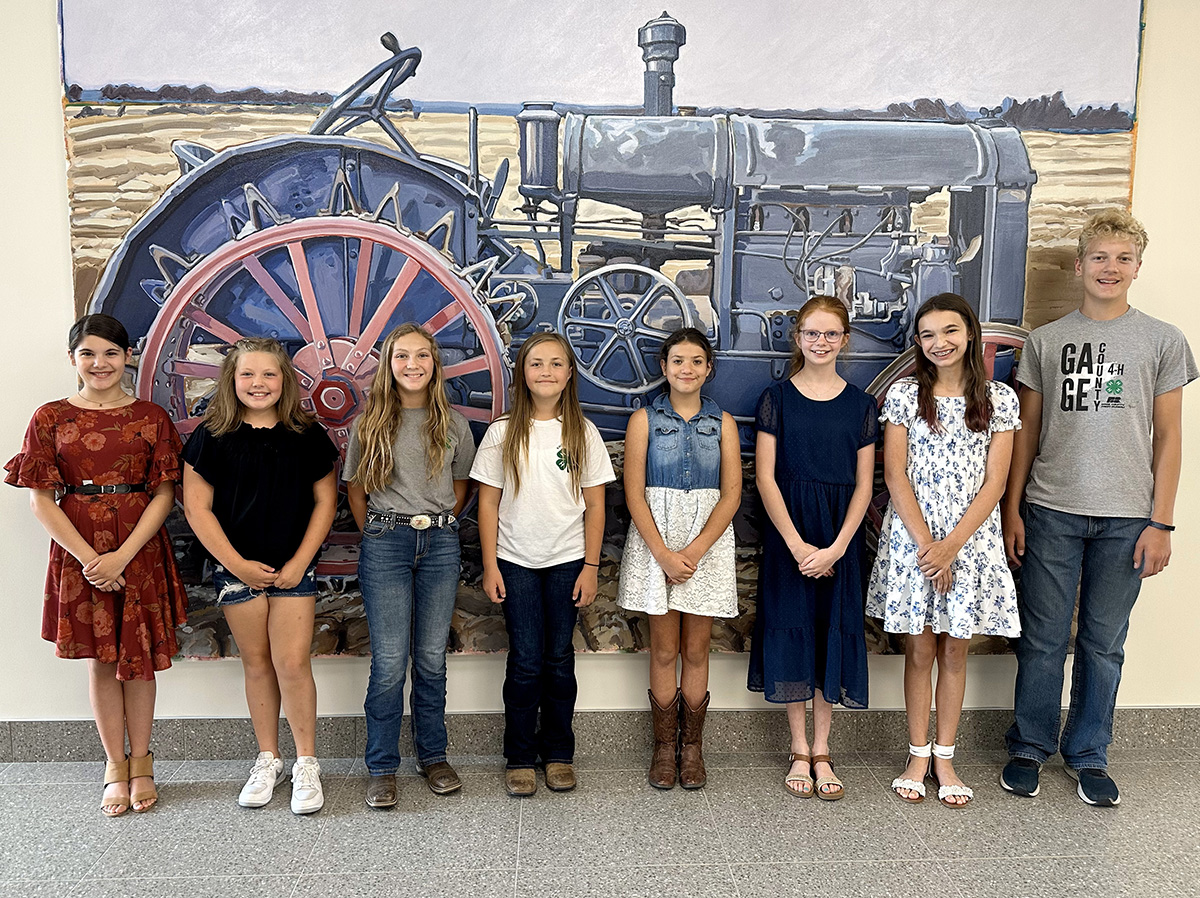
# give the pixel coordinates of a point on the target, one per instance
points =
(420, 522)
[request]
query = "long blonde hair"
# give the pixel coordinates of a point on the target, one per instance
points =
(380, 420)
(225, 411)
(520, 416)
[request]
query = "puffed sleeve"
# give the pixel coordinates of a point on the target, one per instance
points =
(869, 434)
(766, 417)
(1006, 408)
(900, 404)
(164, 458)
(35, 467)
(201, 452)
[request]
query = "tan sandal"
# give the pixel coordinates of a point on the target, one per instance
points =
(792, 780)
(115, 772)
(833, 794)
(143, 766)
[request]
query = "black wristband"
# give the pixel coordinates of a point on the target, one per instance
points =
(1170, 528)
(597, 564)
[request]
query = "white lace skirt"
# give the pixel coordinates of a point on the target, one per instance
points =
(680, 516)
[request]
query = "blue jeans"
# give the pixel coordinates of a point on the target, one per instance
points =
(540, 674)
(409, 580)
(1065, 553)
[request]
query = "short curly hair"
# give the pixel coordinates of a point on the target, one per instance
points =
(1111, 223)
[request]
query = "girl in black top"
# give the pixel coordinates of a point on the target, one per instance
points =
(260, 492)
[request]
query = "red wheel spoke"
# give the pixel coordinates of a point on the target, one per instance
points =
(362, 277)
(989, 359)
(312, 309)
(193, 369)
(272, 288)
(218, 329)
(470, 366)
(475, 414)
(374, 329)
(187, 425)
(443, 319)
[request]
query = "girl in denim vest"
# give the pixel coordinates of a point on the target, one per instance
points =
(407, 470)
(683, 483)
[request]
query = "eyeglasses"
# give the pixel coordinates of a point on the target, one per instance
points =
(814, 336)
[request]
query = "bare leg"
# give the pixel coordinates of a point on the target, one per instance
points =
(291, 632)
(139, 720)
(919, 654)
(951, 686)
(822, 724)
(248, 623)
(696, 642)
(798, 724)
(664, 652)
(108, 708)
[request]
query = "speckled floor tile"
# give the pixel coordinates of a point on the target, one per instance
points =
(25, 888)
(897, 759)
(1151, 728)
(880, 731)
(230, 738)
(1070, 877)
(190, 887)
(475, 828)
(6, 746)
(603, 732)
(83, 772)
(237, 771)
(695, 881)
(62, 839)
(614, 818)
(77, 740)
(409, 884)
(473, 734)
(865, 825)
(888, 879)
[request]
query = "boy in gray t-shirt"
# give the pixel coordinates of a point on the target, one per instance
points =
(1097, 464)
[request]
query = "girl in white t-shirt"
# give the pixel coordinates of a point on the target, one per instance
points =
(541, 470)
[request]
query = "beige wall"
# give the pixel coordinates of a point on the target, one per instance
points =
(35, 303)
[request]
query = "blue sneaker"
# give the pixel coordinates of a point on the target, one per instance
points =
(1021, 776)
(1096, 787)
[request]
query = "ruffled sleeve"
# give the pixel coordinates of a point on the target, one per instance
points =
(322, 454)
(164, 454)
(201, 453)
(766, 418)
(900, 405)
(35, 467)
(1006, 408)
(870, 424)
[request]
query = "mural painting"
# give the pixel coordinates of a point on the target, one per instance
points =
(202, 215)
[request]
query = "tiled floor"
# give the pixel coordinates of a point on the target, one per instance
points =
(614, 836)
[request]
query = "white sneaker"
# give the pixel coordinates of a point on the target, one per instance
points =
(307, 794)
(264, 777)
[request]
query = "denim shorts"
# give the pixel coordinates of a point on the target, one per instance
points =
(232, 591)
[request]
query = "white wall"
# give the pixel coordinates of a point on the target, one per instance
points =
(35, 308)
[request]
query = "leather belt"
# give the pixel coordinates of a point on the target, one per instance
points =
(95, 489)
(415, 521)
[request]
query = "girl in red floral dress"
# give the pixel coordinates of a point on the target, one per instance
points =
(102, 468)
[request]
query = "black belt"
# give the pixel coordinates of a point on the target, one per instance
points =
(415, 521)
(95, 489)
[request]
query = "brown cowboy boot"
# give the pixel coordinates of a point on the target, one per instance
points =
(691, 762)
(666, 742)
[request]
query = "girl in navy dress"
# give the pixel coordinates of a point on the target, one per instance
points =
(815, 460)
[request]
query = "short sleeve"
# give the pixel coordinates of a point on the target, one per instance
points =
(1029, 369)
(1006, 408)
(488, 466)
(900, 404)
(869, 434)
(599, 468)
(766, 417)
(164, 454)
(353, 453)
(1176, 365)
(35, 467)
(203, 453)
(464, 448)
(322, 455)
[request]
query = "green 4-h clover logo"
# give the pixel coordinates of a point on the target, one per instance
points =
(1113, 387)
(564, 460)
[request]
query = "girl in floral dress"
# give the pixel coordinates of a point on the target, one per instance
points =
(940, 574)
(113, 594)
(683, 483)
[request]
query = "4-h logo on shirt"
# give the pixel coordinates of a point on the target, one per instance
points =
(1114, 387)
(564, 460)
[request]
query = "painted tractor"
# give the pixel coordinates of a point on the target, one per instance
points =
(631, 225)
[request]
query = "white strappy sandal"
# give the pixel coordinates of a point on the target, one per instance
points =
(946, 752)
(917, 751)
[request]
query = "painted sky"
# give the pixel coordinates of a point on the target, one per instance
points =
(768, 54)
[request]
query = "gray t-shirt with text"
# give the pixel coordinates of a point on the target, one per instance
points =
(1098, 381)
(411, 490)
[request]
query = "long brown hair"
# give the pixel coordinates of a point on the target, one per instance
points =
(975, 386)
(225, 412)
(829, 304)
(520, 416)
(380, 420)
